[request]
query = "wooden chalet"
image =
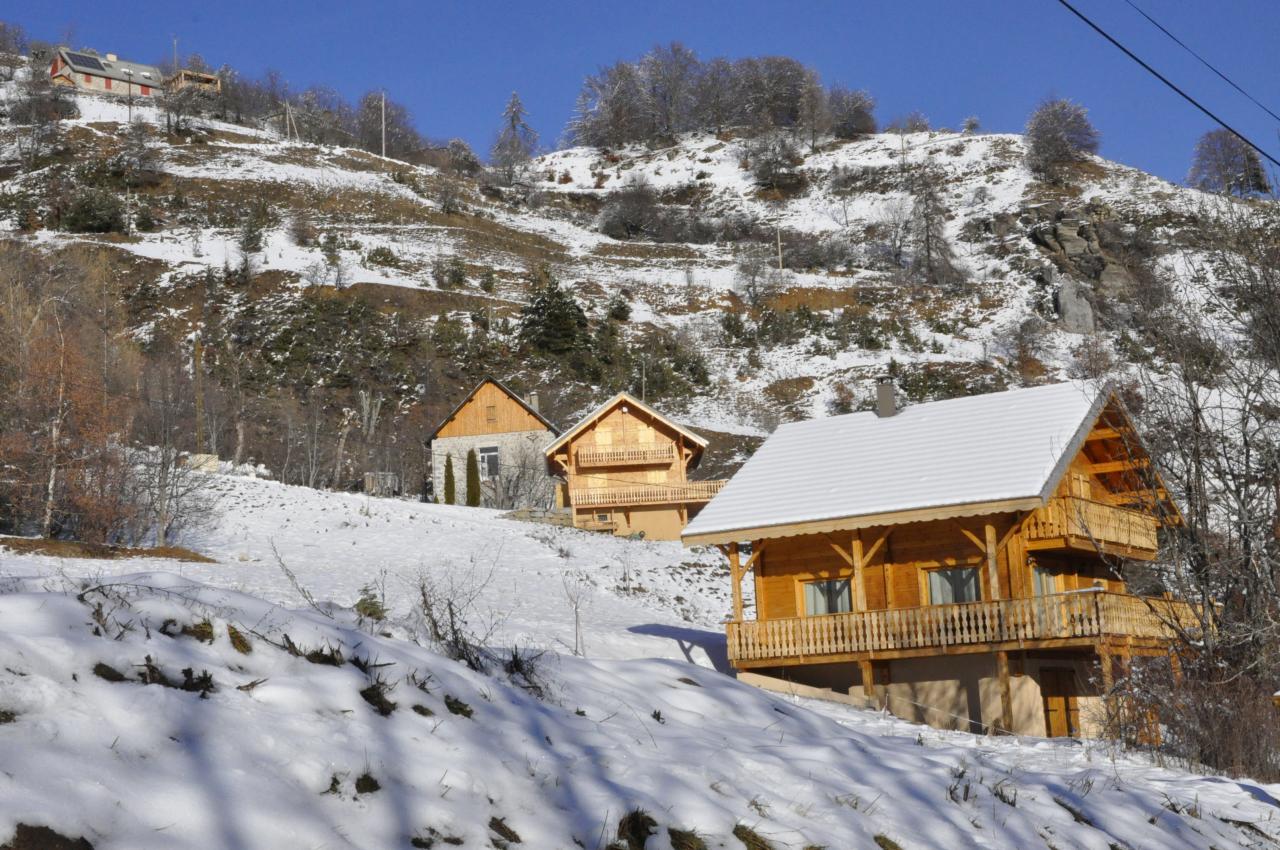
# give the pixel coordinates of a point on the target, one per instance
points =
(508, 434)
(953, 560)
(626, 470)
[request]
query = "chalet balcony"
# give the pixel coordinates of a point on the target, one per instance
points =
(1073, 523)
(645, 494)
(1064, 619)
(642, 454)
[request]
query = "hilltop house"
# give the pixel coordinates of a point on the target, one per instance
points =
(508, 434)
(104, 74)
(626, 470)
(954, 560)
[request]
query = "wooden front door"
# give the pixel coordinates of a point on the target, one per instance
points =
(1061, 694)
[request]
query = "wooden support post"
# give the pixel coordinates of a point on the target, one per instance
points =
(1108, 677)
(735, 575)
(1006, 692)
(859, 580)
(993, 571)
(1175, 663)
(868, 679)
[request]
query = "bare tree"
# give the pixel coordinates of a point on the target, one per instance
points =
(13, 43)
(1058, 133)
(756, 278)
(932, 259)
(1210, 416)
(1225, 163)
(522, 481)
(852, 112)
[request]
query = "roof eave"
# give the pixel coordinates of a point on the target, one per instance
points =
(852, 523)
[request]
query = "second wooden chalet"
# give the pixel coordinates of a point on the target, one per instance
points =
(626, 470)
(954, 561)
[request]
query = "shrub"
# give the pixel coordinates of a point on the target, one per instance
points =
(450, 483)
(382, 256)
(95, 211)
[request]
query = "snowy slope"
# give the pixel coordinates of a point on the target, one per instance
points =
(276, 764)
(993, 209)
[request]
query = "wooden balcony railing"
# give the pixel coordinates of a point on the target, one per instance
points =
(1083, 614)
(1068, 517)
(645, 494)
(637, 455)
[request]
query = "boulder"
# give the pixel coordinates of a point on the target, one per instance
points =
(1074, 306)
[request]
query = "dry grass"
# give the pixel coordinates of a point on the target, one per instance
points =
(78, 549)
(750, 839)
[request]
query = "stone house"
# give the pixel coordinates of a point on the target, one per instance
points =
(508, 435)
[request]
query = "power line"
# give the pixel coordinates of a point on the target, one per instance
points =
(1162, 78)
(1201, 59)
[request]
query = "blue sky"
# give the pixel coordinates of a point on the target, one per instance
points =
(455, 63)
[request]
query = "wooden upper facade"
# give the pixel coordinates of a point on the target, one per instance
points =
(492, 408)
(626, 470)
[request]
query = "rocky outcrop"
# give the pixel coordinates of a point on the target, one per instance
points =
(1090, 277)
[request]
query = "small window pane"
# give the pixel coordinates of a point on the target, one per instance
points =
(950, 586)
(1043, 581)
(489, 465)
(827, 597)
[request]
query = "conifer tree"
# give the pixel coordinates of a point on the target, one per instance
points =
(516, 141)
(450, 485)
(473, 480)
(552, 322)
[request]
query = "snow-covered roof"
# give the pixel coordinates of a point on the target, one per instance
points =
(950, 458)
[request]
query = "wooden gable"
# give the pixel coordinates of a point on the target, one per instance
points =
(491, 409)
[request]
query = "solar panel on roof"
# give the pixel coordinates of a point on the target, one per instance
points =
(84, 60)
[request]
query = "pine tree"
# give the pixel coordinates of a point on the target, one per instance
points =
(516, 140)
(473, 480)
(552, 322)
(450, 485)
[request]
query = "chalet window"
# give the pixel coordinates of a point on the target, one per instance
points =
(491, 414)
(950, 586)
(827, 597)
(106, 82)
(489, 466)
(146, 90)
(1043, 581)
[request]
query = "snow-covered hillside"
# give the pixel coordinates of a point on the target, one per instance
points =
(225, 733)
(1017, 242)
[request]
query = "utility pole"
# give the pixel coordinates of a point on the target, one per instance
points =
(384, 123)
(129, 84)
(175, 56)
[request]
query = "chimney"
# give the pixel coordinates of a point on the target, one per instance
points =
(886, 405)
(111, 57)
(533, 402)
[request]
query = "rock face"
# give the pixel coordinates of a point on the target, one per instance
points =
(1075, 311)
(1073, 245)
